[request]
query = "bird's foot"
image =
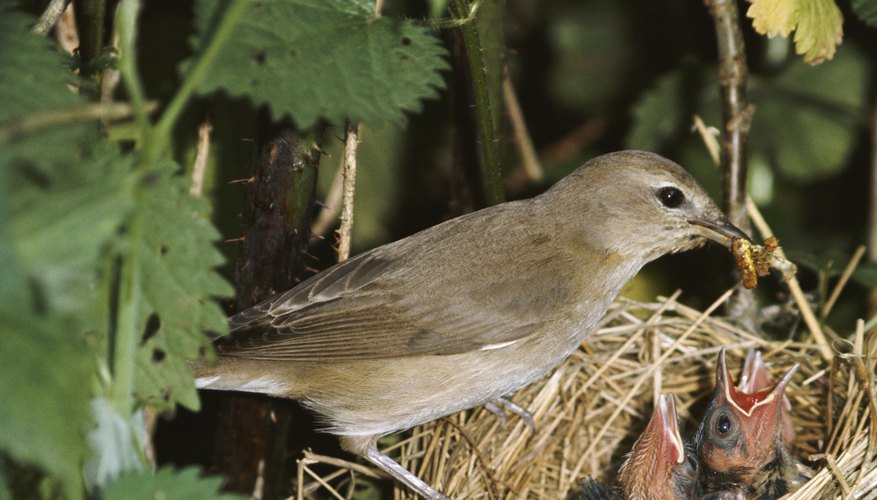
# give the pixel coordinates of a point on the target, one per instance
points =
(498, 405)
(403, 475)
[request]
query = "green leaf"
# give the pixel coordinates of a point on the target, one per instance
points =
(331, 59)
(33, 80)
(4, 488)
(866, 10)
(178, 278)
(52, 226)
(63, 220)
(806, 117)
(44, 388)
(166, 483)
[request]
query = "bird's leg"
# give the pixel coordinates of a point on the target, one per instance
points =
(499, 404)
(367, 448)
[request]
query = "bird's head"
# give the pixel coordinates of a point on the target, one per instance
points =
(741, 431)
(658, 466)
(640, 205)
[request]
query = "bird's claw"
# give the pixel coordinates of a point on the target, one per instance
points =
(497, 407)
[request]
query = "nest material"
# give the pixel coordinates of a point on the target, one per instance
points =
(590, 410)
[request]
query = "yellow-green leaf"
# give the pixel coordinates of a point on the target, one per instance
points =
(818, 25)
(773, 17)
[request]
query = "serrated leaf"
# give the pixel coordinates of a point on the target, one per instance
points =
(63, 219)
(866, 10)
(818, 25)
(44, 389)
(178, 260)
(33, 79)
(166, 483)
(313, 59)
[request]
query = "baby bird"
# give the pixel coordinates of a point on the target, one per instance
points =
(755, 378)
(739, 444)
(660, 466)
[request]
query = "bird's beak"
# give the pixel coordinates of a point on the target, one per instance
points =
(722, 231)
(668, 423)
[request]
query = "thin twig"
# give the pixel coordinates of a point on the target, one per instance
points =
(310, 456)
(844, 278)
(529, 160)
(351, 145)
(16, 127)
(50, 16)
(202, 153)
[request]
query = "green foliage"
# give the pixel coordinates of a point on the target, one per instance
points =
(44, 387)
(599, 30)
(166, 483)
(806, 117)
(866, 10)
(88, 205)
(313, 59)
(33, 80)
(178, 280)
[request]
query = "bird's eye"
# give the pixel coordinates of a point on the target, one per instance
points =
(723, 425)
(670, 196)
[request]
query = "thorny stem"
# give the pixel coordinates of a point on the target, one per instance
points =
(483, 107)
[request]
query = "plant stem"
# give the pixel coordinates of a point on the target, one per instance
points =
(736, 118)
(483, 108)
(124, 345)
(90, 16)
(126, 26)
(736, 111)
(203, 61)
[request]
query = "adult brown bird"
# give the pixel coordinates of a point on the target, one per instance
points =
(740, 441)
(755, 378)
(465, 312)
(660, 466)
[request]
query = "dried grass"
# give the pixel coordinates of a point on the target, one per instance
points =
(591, 409)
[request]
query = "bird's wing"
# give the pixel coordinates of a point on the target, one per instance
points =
(354, 311)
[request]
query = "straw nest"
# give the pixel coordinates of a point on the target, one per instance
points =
(589, 411)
